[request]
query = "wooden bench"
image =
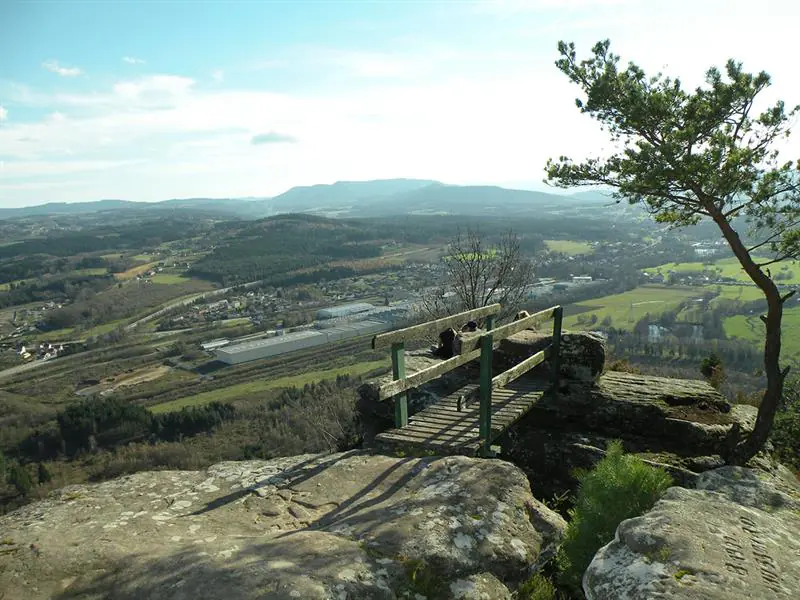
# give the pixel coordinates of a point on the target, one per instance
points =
(447, 425)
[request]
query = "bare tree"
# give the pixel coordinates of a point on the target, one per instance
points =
(480, 273)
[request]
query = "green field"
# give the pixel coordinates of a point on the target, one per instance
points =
(750, 327)
(627, 308)
(252, 388)
(169, 278)
(743, 293)
(729, 267)
(569, 247)
(93, 271)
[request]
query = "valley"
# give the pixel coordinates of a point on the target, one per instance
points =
(126, 307)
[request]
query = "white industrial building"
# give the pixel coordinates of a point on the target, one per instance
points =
(344, 310)
(265, 348)
(214, 344)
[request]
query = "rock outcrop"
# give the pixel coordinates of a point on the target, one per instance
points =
(351, 525)
(683, 425)
(735, 537)
(582, 353)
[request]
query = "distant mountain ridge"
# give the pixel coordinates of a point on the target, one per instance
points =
(382, 197)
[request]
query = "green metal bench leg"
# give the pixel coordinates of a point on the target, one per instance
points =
(485, 413)
(555, 360)
(399, 372)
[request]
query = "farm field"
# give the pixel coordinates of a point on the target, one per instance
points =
(169, 278)
(569, 247)
(750, 327)
(133, 272)
(729, 267)
(250, 388)
(627, 308)
(743, 293)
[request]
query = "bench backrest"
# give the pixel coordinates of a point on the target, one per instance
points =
(480, 345)
(470, 348)
(433, 328)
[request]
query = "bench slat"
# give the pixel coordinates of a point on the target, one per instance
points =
(388, 390)
(432, 328)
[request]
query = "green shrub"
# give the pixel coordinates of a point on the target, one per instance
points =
(785, 435)
(537, 587)
(713, 370)
(43, 474)
(619, 487)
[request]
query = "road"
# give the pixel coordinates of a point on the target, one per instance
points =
(187, 301)
(10, 372)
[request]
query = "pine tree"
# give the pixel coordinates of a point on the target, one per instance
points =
(43, 474)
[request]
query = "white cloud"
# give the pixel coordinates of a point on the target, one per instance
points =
(218, 75)
(132, 60)
(54, 67)
(461, 116)
(152, 86)
(3, 114)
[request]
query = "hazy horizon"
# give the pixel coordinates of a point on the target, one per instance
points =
(521, 186)
(153, 101)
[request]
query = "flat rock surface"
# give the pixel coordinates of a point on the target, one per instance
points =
(582, 353)
(736, 537)
(682, 415)
(351, 525)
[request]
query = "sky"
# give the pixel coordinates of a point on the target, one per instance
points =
(154, 99)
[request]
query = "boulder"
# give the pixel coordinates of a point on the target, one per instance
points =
(683, 425)
(349, 525)
(737, 536)
(682, 415)
(583, 354)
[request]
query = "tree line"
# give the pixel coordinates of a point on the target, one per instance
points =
(106, 423)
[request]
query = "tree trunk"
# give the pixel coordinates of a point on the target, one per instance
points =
(770, 401)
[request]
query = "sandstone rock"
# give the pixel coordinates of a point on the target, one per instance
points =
(483, 586)
(686, 416)
(350, 525)
(583, 354)
(684, 426)
(735, 537)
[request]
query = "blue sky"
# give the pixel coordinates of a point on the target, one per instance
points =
(151, 100)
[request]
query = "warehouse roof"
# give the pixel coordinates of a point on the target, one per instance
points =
(355, 326)
(269, 341)
(346, 309)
